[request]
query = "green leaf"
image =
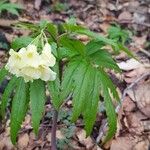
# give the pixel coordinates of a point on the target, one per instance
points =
(10, 7)
(111, 115)
(19, 108)
(81, 30)
(103, 59)
(3, 73)
(13, 11)
(74, 46)
(94, 46)
(106, 81)
(54, 89)
(8, 90)
(107, 85)
(21, 42)
(52, 29)
(81, 89)
(92, 102)
(37, 97)
(118, 34)
(68, 77)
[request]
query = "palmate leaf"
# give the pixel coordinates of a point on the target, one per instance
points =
(106, 81)
(111, 115)
(73, 46)
(68, 78)
(85, 80)
(103, 59)
(92, 101)
(37, 98)
(8, 90)
(106, 85)
(19, 108)
(93, 46)
(81, 89)
(3, 73)
(81, 30)
(100, 56)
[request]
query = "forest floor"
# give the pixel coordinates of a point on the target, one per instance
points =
(133, 129)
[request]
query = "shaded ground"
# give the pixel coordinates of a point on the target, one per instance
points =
(133, 131)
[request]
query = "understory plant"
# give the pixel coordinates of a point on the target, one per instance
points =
(53, 59)
(10, 7)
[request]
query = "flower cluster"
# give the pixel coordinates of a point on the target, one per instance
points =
(30, 65)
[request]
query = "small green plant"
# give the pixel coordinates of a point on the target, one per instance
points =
(118, 34)
(67, 67)
(10, 7)
(60, 7)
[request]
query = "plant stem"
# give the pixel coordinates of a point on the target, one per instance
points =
(54, 126)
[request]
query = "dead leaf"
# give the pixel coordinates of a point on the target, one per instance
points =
(83, 38)
(37, 4)
(135, 68)
(59, 134)
(139, 40)
(141, 95)
(104, 27)
(122, 143)
(87, 142)
(5, 143)
(129, 64)
(48, 137)
(23, 141)
(143, 145)
(125, 16)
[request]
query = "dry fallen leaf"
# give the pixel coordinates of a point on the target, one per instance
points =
(104, 27)
(125, 16)
(135, 69)
(5, 143)
(122, 143)
(59, 135)
(87, 142)
(129, 64)
(23, 141)
(141, 95)
(37, 4)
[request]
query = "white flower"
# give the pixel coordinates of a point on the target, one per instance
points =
(48, 58)
(14, 63)
(27, 63)
(47, 74)
(31, 57)
(31, 72)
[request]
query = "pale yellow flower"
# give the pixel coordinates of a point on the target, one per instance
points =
(48, 58)
(47, 74)
(31, 72)
(27, 63)
(14, 63)
(31, 57)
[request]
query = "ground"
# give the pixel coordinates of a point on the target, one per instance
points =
(133, 129)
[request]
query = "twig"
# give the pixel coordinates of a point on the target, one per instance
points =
(103, 129)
